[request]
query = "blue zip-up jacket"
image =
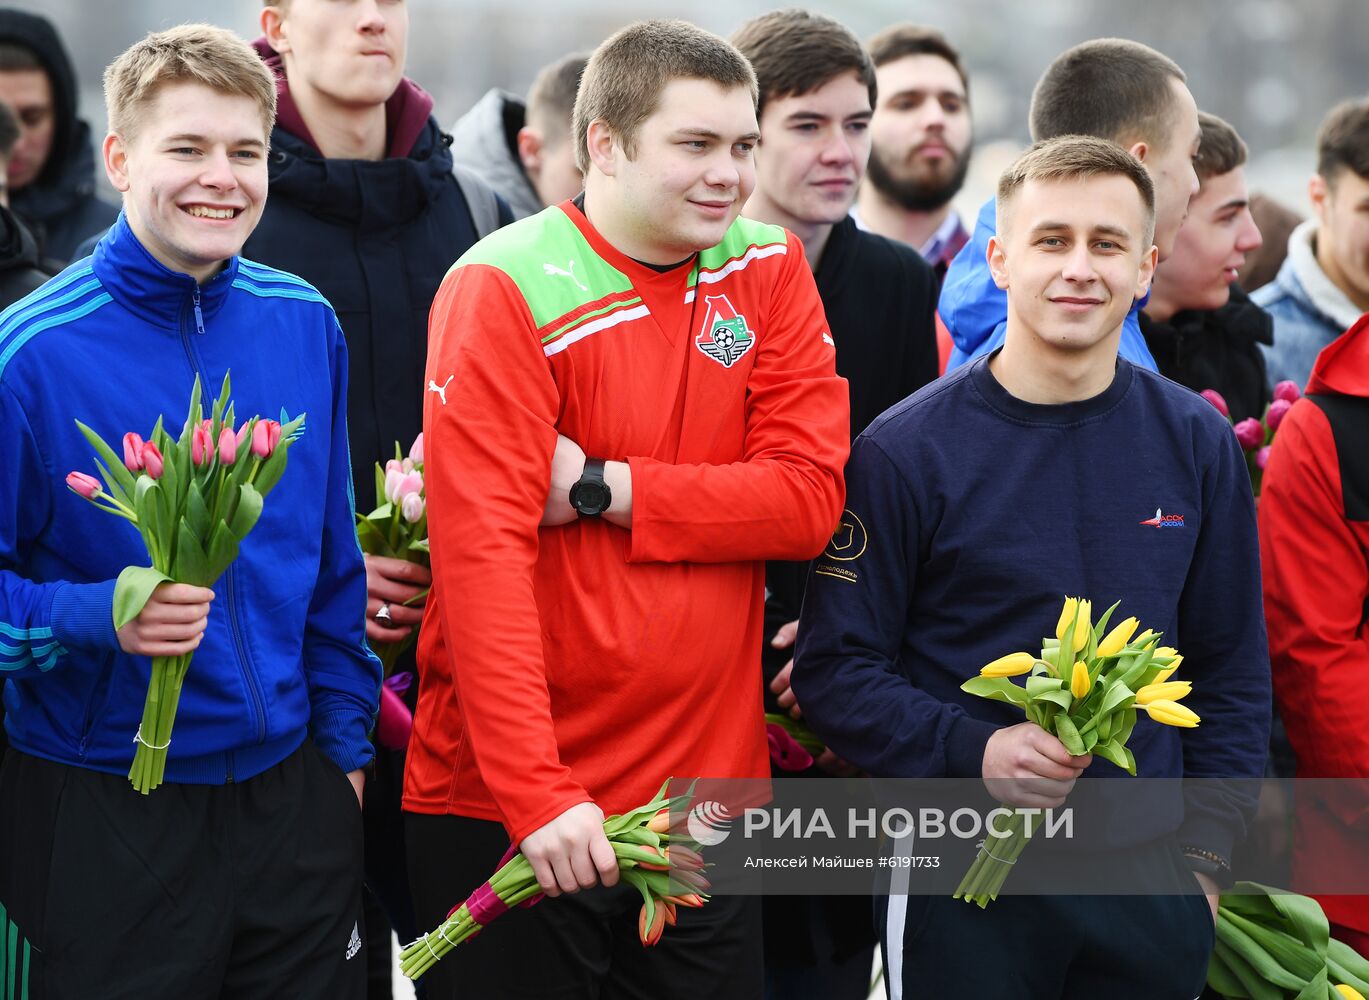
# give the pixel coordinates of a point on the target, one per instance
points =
(116, 341)
(975, 310)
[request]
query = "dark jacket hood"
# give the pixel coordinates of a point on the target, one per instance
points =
(37, 34)
(406, 112)
(1342, 367)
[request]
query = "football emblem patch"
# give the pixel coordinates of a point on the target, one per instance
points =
(724, 336)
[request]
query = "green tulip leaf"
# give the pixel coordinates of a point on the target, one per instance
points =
(221, 550)
(248, 511)
(1252, 982)
(132, 591)
(1118, 696)
(380, 484)
(996, 689)
(1222, 979)
(196, 513)
(122, 476)
(1113, 751)
(191, 565)
(1068, 734)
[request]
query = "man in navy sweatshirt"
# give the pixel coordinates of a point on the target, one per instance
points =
(983, 499)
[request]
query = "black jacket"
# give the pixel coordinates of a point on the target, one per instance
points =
(1216, 349)
(376, 238)
(60, 206)
(20, 271)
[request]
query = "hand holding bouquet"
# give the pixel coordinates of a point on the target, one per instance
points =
(1085, 688)
(398, 527)
(664, 867)
(193, 499)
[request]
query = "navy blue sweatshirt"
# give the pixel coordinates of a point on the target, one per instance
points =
(972, 514)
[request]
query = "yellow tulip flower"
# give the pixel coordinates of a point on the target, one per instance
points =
(1171, 713)
(1172, 691)
(1116, 640)
(1067, 615)
(1080, 683)
(1168, 672)
(1084, 626)
(1011, 665)
(1349, 992)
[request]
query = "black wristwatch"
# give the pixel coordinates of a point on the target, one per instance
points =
(590, 496)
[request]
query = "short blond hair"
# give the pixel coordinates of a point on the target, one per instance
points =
(188, 53)
(1074, 157)
(624, 78)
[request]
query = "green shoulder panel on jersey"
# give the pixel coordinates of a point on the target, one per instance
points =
(556, 270)
(746, 240)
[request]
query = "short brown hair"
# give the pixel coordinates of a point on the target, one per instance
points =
(551, 101)
(1343, 140)
(1221, 150)
(188, 53)
(1112, 88)
(625, 76)
(9, 130)
(901, 40)
(16, 56)
(795, 52)
(1070, 157)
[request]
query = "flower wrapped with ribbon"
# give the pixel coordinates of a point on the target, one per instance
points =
(663, 865)
(193, 499)
(398, 527)
(1086, 688)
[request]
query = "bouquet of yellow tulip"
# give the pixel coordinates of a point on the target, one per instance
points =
(1085, 688)
(1275, 945)
(663, 866)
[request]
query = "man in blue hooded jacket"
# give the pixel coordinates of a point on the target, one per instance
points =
(1111, 88)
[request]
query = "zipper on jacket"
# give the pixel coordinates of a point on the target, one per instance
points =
(234, 628)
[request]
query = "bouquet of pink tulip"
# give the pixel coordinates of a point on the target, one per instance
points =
(193, 499)
(398, 527)
(664, 867)
(1257, 436)
(793, 746)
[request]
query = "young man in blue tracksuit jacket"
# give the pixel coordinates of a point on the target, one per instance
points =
(958, 548)
(1115, 89)
(243, 872)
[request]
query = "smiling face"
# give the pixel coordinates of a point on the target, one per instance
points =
(1072, 254)
(691, 170)
(813, 151)
(193, 175)
(347, 52)
(1211, 246)
(921, 131)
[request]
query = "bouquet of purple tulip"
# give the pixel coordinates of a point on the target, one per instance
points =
(1257, 436)
(193, 499)
(398, 527)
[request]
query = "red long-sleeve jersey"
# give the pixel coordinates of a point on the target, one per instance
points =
(587, 662)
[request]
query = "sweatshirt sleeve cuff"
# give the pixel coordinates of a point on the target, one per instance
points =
(1208, 834)
(965, 742)
(82, 615)
(342, 737)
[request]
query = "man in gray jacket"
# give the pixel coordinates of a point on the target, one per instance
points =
(1323, 286)
(524, 151)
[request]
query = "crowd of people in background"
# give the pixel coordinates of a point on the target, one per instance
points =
(642, 318)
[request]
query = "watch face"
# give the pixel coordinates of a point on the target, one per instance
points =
(589, 497)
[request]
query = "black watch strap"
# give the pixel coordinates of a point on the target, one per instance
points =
(590, 496)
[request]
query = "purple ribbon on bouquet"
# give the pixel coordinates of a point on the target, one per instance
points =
(395, 722)
(485, 905)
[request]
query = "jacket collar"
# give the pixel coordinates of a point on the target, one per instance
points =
(1310, 283)
(149, 289)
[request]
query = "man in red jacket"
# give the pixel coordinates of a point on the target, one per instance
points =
(652, 379)
(1314, 541)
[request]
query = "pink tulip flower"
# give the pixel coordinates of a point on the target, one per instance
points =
(1215, 398)
(410, 484)
(416, 449)
(393, 477)
(1250, 433)
(152, 460)
(1262, 457)
(228, 446)
(394, 465)
(201, 447)
(1277, 411)
(412, 508)
(87, 486)
(133, 452)
(265, 437)
(1288, 389)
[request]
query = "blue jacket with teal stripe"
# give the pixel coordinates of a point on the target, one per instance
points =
(116, 341)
